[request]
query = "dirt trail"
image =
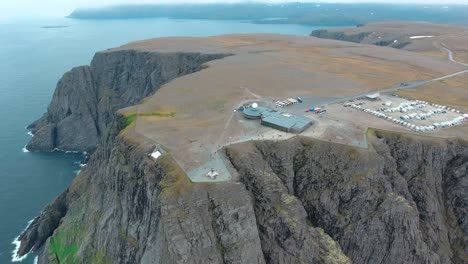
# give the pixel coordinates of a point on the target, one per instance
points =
(450, 54)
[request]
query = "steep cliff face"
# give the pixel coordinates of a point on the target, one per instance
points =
(126, 207)
(402, 201)
(87, 97)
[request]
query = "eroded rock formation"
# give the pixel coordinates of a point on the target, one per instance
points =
(402, 200)
(87, 97)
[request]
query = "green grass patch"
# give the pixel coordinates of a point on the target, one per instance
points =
(100, 258)
(131, 118)
(158, 113)
(61, 249)
(176, 180)
(66, 240)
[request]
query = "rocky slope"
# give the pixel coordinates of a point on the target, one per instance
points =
(421, 37)
(398, 42)
(402, 200)
(323, 33)
(87, 97)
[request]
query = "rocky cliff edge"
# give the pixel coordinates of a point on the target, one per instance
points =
(87, 97)
(402, 200)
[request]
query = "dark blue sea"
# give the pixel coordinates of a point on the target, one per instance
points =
(33, 56)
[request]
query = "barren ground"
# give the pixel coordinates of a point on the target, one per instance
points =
(268, 67)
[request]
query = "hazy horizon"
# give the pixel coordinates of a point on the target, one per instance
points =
(57, 8)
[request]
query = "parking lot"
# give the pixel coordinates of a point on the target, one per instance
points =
(417, 115)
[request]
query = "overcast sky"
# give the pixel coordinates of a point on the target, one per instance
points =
(64, 7)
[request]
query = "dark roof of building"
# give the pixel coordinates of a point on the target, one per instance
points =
(255, 112)
(286, 120)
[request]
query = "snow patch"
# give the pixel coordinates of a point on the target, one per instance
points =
(420, 37)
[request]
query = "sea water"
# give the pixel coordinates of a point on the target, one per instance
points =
(33, 56)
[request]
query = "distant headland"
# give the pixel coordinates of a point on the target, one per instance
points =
(55, 26)
(330, 14)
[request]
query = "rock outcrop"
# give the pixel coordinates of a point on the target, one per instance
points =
(402, 200)
(323, 33)
(397, 42)
(126, 207)
(44, 225)
(87, 97)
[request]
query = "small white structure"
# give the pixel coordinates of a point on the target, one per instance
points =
(156, 154)
(212, 174)
(374, 96)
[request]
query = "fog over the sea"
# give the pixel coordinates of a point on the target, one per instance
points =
(12, 8)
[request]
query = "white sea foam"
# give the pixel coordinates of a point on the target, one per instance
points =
(36, 259)
(82, 165)
(17, 243)
(66, 151)
(30, 133)
(25, 150)
(77, 172)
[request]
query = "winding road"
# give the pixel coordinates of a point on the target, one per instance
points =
(450, 54)
(401, 86)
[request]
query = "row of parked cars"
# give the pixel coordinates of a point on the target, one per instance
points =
(317, 110)
(288, 102)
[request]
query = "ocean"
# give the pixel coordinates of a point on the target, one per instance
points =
(34, 53)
